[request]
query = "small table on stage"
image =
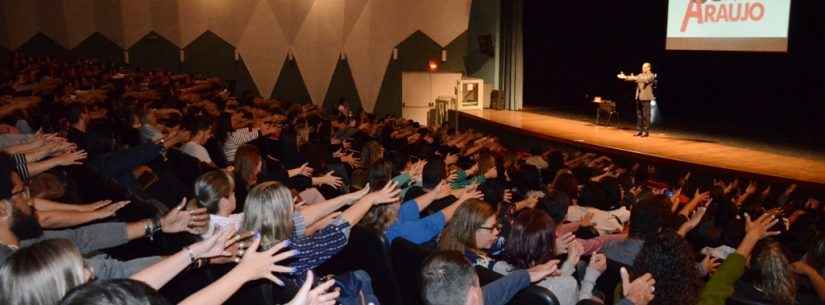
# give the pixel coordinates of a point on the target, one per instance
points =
(604, 106)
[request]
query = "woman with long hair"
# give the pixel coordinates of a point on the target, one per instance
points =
(531, 242)
(270, 210)
(44, 272)
(769, 278)
(248, 168)
(670, 260)
(404, 220)
(473, 229)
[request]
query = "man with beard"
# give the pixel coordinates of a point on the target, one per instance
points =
(19, 228)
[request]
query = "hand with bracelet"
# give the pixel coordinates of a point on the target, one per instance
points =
(175, 221)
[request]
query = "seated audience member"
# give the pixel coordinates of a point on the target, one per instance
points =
(403, 219)
(270, 210)
(473, 230)
(215, 191)
(448, 278)
(721, 285)
(254, 265)
(647, 219)
(44, 272)
(532, 241)
(670, 260)
(200, 131)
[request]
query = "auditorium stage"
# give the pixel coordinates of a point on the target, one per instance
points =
(705, 152)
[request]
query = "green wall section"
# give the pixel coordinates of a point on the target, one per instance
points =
(389, 96)
(290, 86)
(245, 82)
(100, 47)
(342, 85)
(41, 45)
(155, 52)
(414, 54)
(456, 53)
(210, 55)
(484, 19)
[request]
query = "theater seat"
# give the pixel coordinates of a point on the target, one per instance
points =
(366, 251)
(533, 295)
(408, 261)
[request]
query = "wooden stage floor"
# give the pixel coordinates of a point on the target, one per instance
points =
(704, 152)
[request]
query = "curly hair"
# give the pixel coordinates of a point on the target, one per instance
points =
(670, 260)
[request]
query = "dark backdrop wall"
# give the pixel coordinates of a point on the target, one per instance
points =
(574, 50)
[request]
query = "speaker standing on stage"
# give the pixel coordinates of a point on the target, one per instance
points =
(644, 94)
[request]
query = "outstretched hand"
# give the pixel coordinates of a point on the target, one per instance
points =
(641, 290)
(320, 295)
(261, 265)
(179, 220)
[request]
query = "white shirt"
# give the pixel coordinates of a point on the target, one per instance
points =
(218, 222)
(237, 138)
(196, 150)
(606, 222)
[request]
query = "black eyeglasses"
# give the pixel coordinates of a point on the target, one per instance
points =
(496, 227)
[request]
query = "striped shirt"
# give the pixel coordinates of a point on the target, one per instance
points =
(316, 249)
(236, 139)
(21, 165)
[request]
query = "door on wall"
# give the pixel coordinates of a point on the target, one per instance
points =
(419, 90)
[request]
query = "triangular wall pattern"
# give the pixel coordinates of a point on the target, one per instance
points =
(210, 55)
(41, 45)
(389, 96)
(342, 86)
(155, 52)
(245, 84)
(290, 86)
(263, 32)
(100, 47)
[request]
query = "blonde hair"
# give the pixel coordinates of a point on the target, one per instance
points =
(268, 210)
(460, 234)
(211, 187)
(772, 272)
(41, 274)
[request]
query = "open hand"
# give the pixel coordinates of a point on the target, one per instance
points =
(179, 220)
(261, 265)
(539, 272)
(320, 295)
(641, 290)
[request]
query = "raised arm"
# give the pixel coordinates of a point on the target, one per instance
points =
(315, 212)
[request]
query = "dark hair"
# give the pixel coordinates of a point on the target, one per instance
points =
(566, 183)
(649, 216)
(114, 292)
(197, 123)
(816, 252)
(669, 259)
(532, 236)
(434, 171)
(74, 112)
(446, 278)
